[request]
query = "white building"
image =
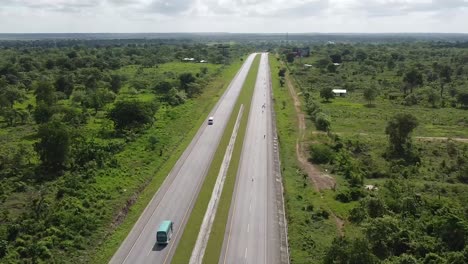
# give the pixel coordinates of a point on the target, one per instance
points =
(339, 92)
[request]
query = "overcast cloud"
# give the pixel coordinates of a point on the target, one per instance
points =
(233, 16)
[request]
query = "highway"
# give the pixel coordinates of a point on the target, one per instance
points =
(253, 233)
(177, 195)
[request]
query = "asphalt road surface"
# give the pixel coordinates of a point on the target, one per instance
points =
(175, 199)
(252, 234)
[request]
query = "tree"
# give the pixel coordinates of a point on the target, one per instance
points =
(185, 79)
(462, 98)
(445, 76)
(132, 114)
(383, 233)
(398, 130)
(53, 146)
(43, 113)
(64, 84)
(370, 94)
(116, 83)
(323, 63)
(96, 99)
(290, 57)
(361, 55)
(336, 58)
(9, 94)
(412, 79)
(356, 251)
(193, 89)
(327, 93)
(282, 72)
(45, 92)
(433, 98)
(281, 82)
(322, 121)
(331, 68)
(163, 87)
(175, 97)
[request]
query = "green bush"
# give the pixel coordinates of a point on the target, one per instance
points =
(321, 154)
(132, 114)
(322, 122)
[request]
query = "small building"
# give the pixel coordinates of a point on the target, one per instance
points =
(336, 64)
(203, 61)
(188, 59)
(307, 65)
(339, 92)
(370, 187)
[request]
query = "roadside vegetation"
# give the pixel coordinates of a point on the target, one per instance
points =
(395, 145)
(84, 129)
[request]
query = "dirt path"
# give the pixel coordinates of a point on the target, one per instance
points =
(465, 140)
(321, 181)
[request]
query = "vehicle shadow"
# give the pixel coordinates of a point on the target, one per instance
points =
(158, 247)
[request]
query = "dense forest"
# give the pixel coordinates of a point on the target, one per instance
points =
(76, 117)
(396, 144)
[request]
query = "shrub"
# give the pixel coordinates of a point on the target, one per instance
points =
(322, 122)
(132, 114)
(321, 154)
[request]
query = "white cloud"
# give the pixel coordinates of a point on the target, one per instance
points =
(234, 15)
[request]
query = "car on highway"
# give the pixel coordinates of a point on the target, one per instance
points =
(210, 120)
(164, 233)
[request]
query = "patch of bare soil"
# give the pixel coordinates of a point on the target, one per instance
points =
(339, 224)
(320, 180)
(465, 140)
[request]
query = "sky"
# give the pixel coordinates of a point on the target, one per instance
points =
(235, 16)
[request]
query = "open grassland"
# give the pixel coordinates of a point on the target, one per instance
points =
(189, 237)
(350, 115)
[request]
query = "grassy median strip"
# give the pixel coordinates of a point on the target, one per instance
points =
(199, 108)
(189, 237)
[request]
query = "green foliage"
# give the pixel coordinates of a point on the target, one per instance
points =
(45, 93)
(282, 72)
(186, 79)
(9, 94)
(321, 154)
(356, 251)
(370, 94)
(462, 98)
(327, 93)
(65, 85)
(128, 115)
(433, 98)
(53, 146)
(290, 57)
(116, 83)
(398, 130)
(412, 79)
(322, 121)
